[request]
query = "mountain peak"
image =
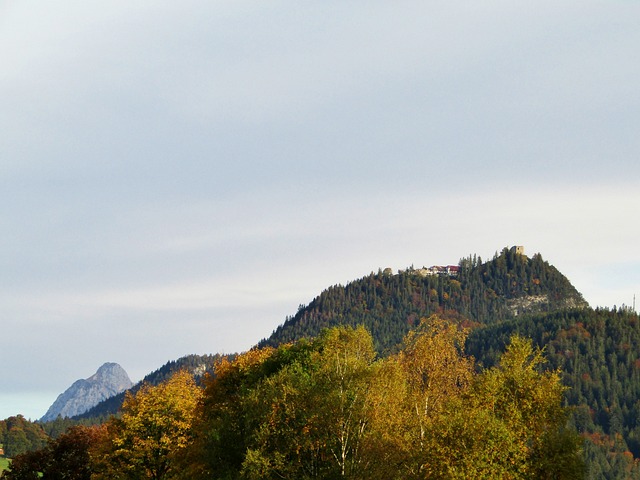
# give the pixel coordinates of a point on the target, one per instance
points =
(109, 380)
(111, 372)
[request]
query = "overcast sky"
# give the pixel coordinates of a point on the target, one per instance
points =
(177, 177)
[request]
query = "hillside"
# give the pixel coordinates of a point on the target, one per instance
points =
(598, 352)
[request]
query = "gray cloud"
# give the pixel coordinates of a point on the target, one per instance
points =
(177, 178)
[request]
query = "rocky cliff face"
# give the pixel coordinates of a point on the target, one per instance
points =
(109, 380)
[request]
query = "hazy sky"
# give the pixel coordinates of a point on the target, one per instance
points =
(177, 177)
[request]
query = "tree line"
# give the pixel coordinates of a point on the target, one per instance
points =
(330, 407)
(19, 435)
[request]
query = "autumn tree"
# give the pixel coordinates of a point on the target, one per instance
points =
(221, 427)
(388, 446)
(436, 370)
(66, 457)
(528, 400)
(327, 408)
(315, 413)
(509, 423)
(152, 432)
(466, 442)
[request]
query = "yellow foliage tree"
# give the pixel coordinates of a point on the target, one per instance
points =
(327, 408)
(528, 401)
(509, 424)
(435, 367)
(154, 429)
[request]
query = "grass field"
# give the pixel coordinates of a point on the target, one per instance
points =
(3, 464)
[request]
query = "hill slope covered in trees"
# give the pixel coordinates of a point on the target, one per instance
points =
(598, 350)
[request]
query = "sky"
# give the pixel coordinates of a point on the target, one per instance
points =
(178, 177)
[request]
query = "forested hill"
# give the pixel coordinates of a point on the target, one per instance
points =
(389, 305)
(478, 293)
(597, 351)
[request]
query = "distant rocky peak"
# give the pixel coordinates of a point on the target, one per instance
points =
(110, 379)
(111, 373)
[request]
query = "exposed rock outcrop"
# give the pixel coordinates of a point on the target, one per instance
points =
(109, 380)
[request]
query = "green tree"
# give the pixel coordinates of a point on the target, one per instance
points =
(16, 442)
(528, 401)
(3, 431)
(345, 368)
(313, 413)
(221, 429)
(22, 436)
(67, 458)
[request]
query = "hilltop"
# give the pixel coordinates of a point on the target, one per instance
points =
(473, 293)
